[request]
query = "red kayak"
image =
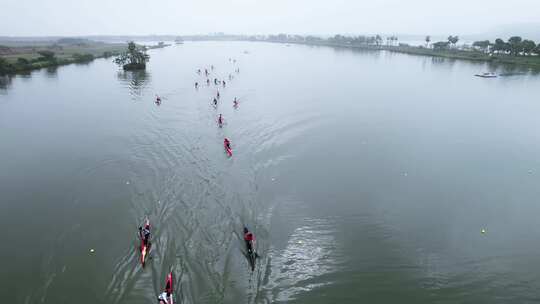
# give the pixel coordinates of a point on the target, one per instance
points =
(169, 288)
(144, 248)
(227, 146)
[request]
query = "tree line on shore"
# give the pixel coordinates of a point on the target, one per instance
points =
(515, 45)
(136, 57)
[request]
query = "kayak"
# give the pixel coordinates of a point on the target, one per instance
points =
(144, 248)
(227, 149)
(169, 288)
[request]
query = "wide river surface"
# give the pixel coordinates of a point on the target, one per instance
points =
(367, 177)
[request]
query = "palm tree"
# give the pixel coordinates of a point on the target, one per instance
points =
(453, 40)
(378, 39)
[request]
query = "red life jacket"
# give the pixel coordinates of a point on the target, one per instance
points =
(248, 236)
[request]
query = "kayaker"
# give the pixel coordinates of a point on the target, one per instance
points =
(215, 81)
(227, 143)
(145, 233)
(235, 102)
(206, 72)
(217, 94)
(224, 83)
(166, 296)
(207, 81)
(220, 119)
(196, 85)
(215, 102)
(163, 298)
(248, 238)
(199, 71)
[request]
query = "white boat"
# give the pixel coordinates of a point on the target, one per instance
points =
(486, 75)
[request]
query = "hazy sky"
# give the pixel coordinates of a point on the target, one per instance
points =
(87, 17)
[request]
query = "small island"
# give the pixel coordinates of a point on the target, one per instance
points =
(134, 58)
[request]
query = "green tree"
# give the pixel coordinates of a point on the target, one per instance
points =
(428, 40)
(528, 46)
(22, 61)
(498, 46)
(516, 46)
(47, 55)
(441, 45)
(453, 40)
(5, 67)
(133, 59)
(483, 45)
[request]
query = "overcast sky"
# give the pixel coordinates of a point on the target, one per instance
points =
(117, 17)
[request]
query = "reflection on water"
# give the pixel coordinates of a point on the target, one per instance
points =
(52, 72)
(310, 253)
(449, 62)
(5, 83)
(367, 52)
(135, 81)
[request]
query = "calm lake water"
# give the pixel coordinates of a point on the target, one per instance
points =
(366, 177)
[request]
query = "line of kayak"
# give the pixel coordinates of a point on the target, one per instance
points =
(249, 238)
(144, 233)
(167, 297)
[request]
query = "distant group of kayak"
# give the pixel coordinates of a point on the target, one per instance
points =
(215, 100)
(249, 238)
(144, 233)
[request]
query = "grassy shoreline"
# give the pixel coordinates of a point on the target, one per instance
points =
(529, 61)
(23, 58)
(20, 57)
(471, 54)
